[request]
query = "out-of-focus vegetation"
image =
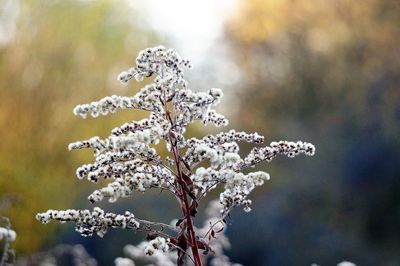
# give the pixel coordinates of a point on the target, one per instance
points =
(326, 72)
(54, 55)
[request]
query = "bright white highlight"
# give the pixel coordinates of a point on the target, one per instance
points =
(193, 25)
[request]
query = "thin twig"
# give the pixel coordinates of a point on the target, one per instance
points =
(208, 189)
(157, 224)
(221, 220)
(181, 249)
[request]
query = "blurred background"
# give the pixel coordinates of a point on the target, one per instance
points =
(322, 71)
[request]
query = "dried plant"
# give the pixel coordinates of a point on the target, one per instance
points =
(192, 169)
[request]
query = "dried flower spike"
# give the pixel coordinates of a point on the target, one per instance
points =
(127, 157)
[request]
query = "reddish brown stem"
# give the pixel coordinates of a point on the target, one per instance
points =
(186, 208)
(182, 191)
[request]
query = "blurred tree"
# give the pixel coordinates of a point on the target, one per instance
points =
(54, 55)
(328, 72)
(329, 50)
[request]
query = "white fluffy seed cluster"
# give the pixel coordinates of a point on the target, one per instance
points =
(134, 175)
(115, 164)
(205, 179)
(289, 148)
(198, 106)
(90, 222)
(157, 60)
(148, 99)
(97, 144)
(107, 105)
(159, 243)
(154, 121)
(237, 186)
(161, 255)
(7, 234)
(220, 149)
(230, 136)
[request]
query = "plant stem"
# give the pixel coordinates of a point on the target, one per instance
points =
(182, 194)
(186, 209)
